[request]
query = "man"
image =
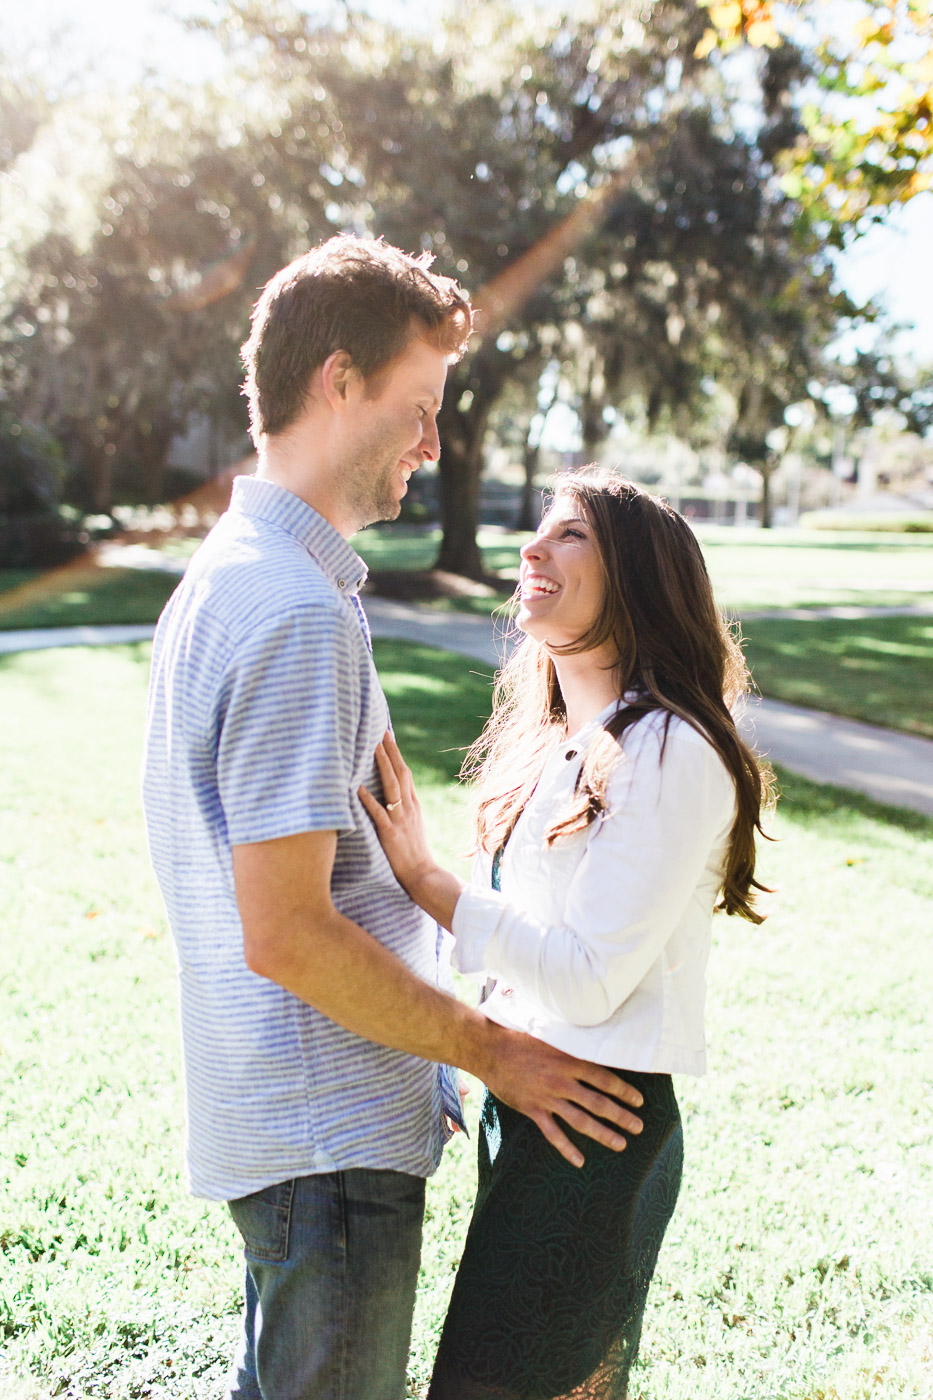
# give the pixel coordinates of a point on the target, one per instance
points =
(313, 1023)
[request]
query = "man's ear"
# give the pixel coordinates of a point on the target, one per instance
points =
(340, 380)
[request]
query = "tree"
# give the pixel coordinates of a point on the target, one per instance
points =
(587, 176)
(552, 164)
(867, 140)
(129, 303)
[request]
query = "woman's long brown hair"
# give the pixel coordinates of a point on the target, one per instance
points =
(676, 654)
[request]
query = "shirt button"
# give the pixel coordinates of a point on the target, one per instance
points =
(341, 583)
(505, 991)
(571, 753)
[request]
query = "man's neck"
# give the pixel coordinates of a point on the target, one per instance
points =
(291, 460)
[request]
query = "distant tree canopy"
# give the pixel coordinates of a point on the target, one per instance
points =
(611, 199)
(866, 141)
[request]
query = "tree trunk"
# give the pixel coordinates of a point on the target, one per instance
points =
(462, 426)
(459, 469)
(766, 470)
(529, 513)
(98, 498)
(101, 472)
(151, 450)
(593, 426)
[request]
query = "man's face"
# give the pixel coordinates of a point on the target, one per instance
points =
(394, 431)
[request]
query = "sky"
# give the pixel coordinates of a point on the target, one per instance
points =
(891, 265)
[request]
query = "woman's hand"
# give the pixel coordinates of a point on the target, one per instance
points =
(400, 828)
(399, 824)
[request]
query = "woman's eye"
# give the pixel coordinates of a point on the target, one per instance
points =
(573, 534)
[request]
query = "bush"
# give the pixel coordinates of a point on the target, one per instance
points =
(919, 524)
(33, 531)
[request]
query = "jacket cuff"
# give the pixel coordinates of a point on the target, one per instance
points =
(476, 917)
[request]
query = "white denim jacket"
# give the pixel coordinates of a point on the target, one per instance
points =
(599, 943)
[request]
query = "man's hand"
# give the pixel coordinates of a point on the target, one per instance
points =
(545, 1084)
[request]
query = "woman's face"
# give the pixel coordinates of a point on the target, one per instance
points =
(561, 587)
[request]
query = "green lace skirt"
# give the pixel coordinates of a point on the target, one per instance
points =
(551, 1289)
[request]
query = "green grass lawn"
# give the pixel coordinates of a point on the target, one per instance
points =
(750, 569)
(798, 1263)
(877, 669)
(13, 578)
(803, 568)
(79, 596)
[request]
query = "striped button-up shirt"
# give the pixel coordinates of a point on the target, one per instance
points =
(264, 714)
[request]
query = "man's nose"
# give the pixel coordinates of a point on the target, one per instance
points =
(430, 442)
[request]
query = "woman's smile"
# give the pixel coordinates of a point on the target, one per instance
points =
(533, 585)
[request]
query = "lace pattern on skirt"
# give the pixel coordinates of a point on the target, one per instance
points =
(551, 1291)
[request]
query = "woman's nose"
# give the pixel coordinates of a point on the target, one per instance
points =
(534, 549)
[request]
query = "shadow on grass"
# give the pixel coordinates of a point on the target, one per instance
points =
(820, 805)
(88, 597)
(14, 578)
(876, 669)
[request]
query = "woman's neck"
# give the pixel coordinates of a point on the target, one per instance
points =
(588, 683)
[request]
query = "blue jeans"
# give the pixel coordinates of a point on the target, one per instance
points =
(331, 1267)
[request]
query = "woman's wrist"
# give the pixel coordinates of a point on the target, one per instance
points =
(436, 891)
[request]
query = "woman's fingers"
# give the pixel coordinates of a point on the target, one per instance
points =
(375, 809)
(399, 767)
(397, 782)
(390, 782)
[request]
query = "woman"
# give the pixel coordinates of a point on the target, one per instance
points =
(616, 804)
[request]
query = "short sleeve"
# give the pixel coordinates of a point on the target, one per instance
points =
(288, 724)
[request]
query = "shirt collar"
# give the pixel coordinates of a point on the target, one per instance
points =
(266, 500)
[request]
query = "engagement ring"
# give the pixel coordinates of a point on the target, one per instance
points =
(391, 806)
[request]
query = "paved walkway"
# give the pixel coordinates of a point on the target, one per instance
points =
(890, 767)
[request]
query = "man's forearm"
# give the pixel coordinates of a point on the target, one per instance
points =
(350, 977)
(293, 934)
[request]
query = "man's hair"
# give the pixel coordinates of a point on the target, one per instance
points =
(353, 294)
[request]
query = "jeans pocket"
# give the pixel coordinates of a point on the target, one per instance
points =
(263, 1220)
